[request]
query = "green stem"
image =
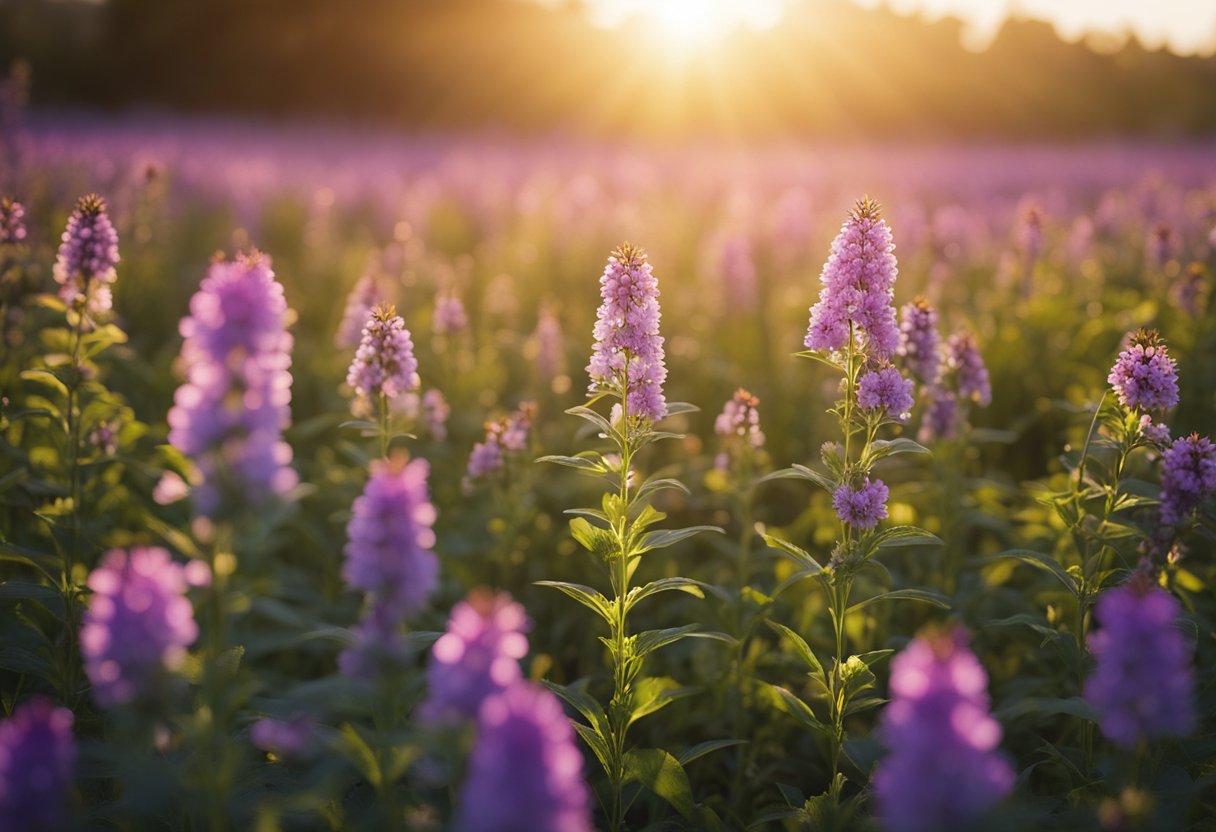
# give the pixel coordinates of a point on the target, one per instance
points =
(70, 553)
(384, 425)
(618, 712)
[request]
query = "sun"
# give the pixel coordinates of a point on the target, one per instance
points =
(691, 22)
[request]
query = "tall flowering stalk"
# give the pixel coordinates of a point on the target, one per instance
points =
(37, 763)
(627, 368)
(853, 330)
(384, 368)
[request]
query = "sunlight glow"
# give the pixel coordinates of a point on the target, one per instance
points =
(692, 21)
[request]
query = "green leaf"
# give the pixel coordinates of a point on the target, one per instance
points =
(651, 640)
(355, 748)
(695, 588)
(592, 464)
(27, 591)
(47, 377)
(799, 710)
(20, 660)
(651, 486)
(600, 542)
(822, 358)
(595, 742)
(923, 595)
(880, 448)
(1045, 706)
(902, 536)
(702, 748)
(655, 693)
(662, 773)
(801, 472)
(680, 408)
(803, 649)
(585, 595)
(594, 418)
(668, 537)
(800, 556)
(1040, 561)
(584, 704)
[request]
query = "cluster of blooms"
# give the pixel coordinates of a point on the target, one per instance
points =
(861, 507)
(104, 438)
(1190, 293)
(362, 299)
(389, 557)
(477, 657)
(88, 253)
(886, 389)
(449, 316)
(525, 771)
(12, 221)
(1142, 686)
(138, 624)
(502, 436)
(627, 358)
(431, 407)
(858, 284)
(740, 417)
(288, 739)
(1144, 376)
(550, 345)
(1030, 232)
(919, 343)
(1156, 434)
(37, 760)
(943, 770)
(1188, 476)
(384, 364)
(229, 415)
(963, 357)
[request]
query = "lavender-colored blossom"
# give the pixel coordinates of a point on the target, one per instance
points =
(919, 343)
(628, 354)
(1144, 376)
(12, 221)
(487, 457)
(1156, 434)
(886, 389)
(861, 507)
(525, 771)
(477, 657)
(435, 413)
(449, 316)
(1188, 476)
(230, 414)
(858, 284)
(1190, 292)
(944, 769)
(88, 253)
(362, 299)
(138, 624)
(37, 760)
(1142, 686)
(941, 416)
(517, 427)
(379, 644)
(287, 739)
(390, 538)
(550, 345)
(1030, 232)
(740, 417)
(963, 357)
(104, 438)
(384, 364)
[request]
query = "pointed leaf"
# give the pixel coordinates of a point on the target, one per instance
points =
(702, 748)
(668, 537)
(923, 595)
(800, 556)
(1040, 561)
(803, 649)
(584, 704)
(651, 640)
(662, 773)
(587, 596)
(688, 585)
(798, 709)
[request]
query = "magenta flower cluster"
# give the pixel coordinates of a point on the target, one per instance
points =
(963, 357)
(12, 221)
(389, 555)
(477, 657)
(37, 762)
(627, 358)
(941, 416)
(88, 253)
(449, 315)
(919, 343)
(740, 417)
(1188, 477)
(861, 507)
(384, 364)
(1142, 686)
(944, 769)
(887, 390)
(525, 771)
(858, 285)
(502, 436)
(138, 625)
(1144, 376)
(230, 414)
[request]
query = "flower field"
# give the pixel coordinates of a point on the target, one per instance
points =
(356, 482)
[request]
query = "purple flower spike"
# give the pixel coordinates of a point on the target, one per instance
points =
(1144, 376)
(628, 354)
(362, 299)
(941, 416)
(88, 254)
(525, 772)
(12, 221)
(863, 507)
(741, 417)
(37, 759)
(477, 657)
(963, 356)
(384, 363)
(887, 390)
(943, 770)
(1143, 686)
(138, 624)
(1188, 476)
(919, 343)
(858, 284)
(230, 414)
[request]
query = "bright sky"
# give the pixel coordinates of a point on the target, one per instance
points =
(1186, 26)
